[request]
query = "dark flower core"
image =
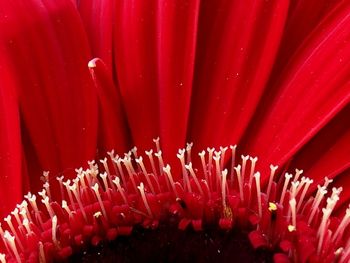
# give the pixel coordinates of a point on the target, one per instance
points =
(142, 211)
(169, 244)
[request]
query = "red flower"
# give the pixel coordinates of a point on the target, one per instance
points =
(271, 76)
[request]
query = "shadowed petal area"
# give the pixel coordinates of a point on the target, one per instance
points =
(237, 44)
(313, 89)
(48, 53)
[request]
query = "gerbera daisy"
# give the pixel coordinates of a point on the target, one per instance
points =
(82, 78)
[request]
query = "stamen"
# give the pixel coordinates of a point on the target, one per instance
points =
(233, 159)
(286, 182)
(65, 207)
(8, 221)
(128, 167)
(222, 161)
(258, 192)
(144, 171)
(2, 258)
(322, 229)
(181, 156)
(144, 199)
(60, 181)
(11, 242)
(223, 187)
(105, 165)
(308, 182)
(54, 232)
(97, 193)
(240, 183)
(319, 196)
(244, 164)
(297, 174)
(105, 183)
(202, 156)
(25, 223)
(116, 181)
(134, 152)
(46, 184)
(210, 160)
(292, 204)
(341, 227)
(118, 161)
(156, 141)
(190, 169)
(42, 258)
(188, 150)
(167, 169)
(150, 157)
(15, 214)
(67, 185)
(272, 174)
(217, 169)
(160, 161)
(73, 188)
(46, 202)
(252, 169)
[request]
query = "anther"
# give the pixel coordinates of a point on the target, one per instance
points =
(258, 192)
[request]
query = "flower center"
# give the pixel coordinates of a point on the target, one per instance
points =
(128, 208)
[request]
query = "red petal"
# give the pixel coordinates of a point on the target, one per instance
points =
(10, 142)
(327, 154)
(237, 44)
(312, 91)
(113, 125)
(48, 54)
(135, 53)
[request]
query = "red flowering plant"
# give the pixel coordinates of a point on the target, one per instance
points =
(88, 79)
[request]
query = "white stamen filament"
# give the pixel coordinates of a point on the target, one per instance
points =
(151, 160)
(204, 165)
(240, 183)
(54, 232)
(233, 159)
(11, 242)
(8, 221)
(2, 258)
(66, 207)
(46, 202)
(319, 196)
(341, 227)
(188, 151)
(167, 169)
(116, 181)
(156, 141)
(99, 199)
(160, 161)
(258, 192)
(105, 183)
(145, 173)
(223, 187)
(190, 169)
(252, 169)
(222, 159)
(144, 199)
(285, 185)
(181, 156)
(308, 182)
(73, 188)
(322, 229)
(292, 204)
(272, 174)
